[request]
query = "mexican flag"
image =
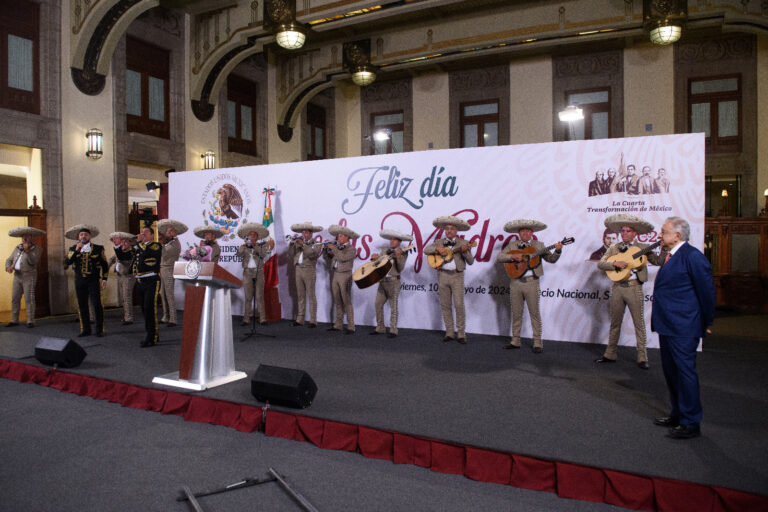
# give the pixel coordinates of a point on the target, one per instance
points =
(270, 266)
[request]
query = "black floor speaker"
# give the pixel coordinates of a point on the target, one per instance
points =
(283, 386)
(59, 351)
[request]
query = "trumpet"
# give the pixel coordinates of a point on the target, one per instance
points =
(292, 238)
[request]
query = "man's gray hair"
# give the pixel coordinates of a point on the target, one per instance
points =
(680, 225)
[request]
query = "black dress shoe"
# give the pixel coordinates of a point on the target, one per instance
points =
(99, 334)
(295, 324)
(447, 338)
(391, 335)
(510, 346)
(463, 341)
(29, 326)
(83, 334)
(332, 329)
(244, 322)
(12, 324)
(643, 365)
(684, 432)
(374, 333)
(171, 324)
(604, 360)
(312, 326)
(262, 323)
(348, 331)
(666, 421)
(127, 322)
(538, 350)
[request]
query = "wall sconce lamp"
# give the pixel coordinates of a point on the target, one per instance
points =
(724, 193)
(209, 159)
(356, 60)
(280, 18)
(95, 143)
(570, 114)
(664, 20)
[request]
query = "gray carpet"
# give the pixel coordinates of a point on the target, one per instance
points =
(556, 405)
(62, 453)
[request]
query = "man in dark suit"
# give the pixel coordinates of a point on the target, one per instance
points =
(683, 308)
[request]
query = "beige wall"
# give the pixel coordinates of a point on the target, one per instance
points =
(530, 105)
(762, 120)
(35, 178)
(279, 151)
(649, 90)
(199, 136)
(430, 112)
(347, 119)
(88, 185)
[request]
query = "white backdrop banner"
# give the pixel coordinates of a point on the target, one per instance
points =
(557, 183)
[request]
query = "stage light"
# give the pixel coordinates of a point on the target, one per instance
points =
(382, 135)
(152, 185)
(95, 143)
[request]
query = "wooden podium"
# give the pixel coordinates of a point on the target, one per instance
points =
(207, 354)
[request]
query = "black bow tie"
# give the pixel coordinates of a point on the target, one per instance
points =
(448, 243)
(522, 245)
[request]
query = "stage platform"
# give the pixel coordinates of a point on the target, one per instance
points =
(555, 406)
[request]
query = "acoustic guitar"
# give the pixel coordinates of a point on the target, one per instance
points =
(634, 258)
(374, 271)
(531, 258)
(436, 261)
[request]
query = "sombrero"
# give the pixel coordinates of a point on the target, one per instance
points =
(163, 225)
(246, 228)
(389, 234)
(441, 222)
(336, 230)
(615, 223)
(514, 226)
(25, 230)
(200, 231)
(75, 230)
(298, 228)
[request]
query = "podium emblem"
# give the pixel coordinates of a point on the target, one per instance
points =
(192, 269)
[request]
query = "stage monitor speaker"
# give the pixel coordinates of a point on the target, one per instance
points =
(59, 351)
(283, 386)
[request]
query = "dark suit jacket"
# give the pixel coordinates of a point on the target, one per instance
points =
(684, 295)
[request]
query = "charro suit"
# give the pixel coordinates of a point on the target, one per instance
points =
(171, 252)
(526, 289)
(629, 293)
(451, 284)
(91, 268)
(253, 270)
(304, 259)
(389, 290)
(24, 264)
(125, 279)
(146, 268)
(342, 258)
(683, 308)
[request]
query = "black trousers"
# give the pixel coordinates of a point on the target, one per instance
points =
(85, 288)
(149, 289)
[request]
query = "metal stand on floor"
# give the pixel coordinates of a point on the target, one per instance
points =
(246, 482)
(253, 318)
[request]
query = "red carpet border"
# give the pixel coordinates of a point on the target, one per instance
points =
(568, 480)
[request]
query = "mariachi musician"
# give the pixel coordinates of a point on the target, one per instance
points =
(170, 229)
(525, 287)
(627, 293)
(89, 262)
(342, 254)
(22, 263)
(210, 235)
(253, 253)
(389, 286)
(147, 261)
(123, 246)
(303, 252)
(450, 275)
